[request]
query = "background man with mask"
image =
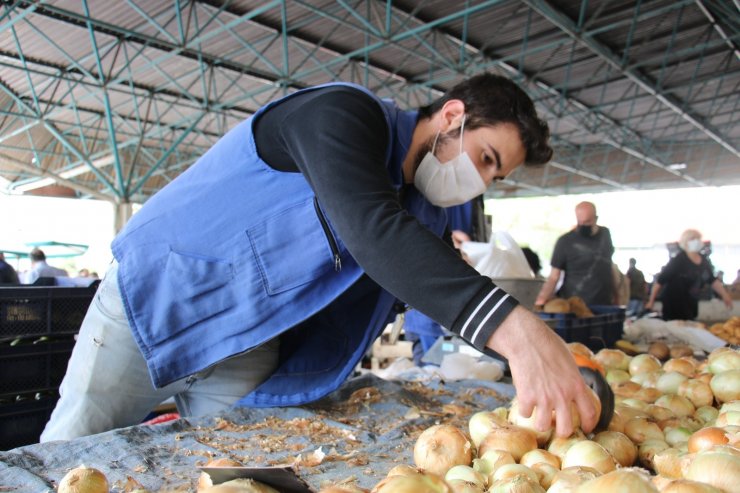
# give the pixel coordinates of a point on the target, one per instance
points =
(261, 275)
(584, 256)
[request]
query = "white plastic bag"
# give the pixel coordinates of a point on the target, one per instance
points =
(504, 258)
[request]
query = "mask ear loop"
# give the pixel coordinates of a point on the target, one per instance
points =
(434, 144)
(462, 128)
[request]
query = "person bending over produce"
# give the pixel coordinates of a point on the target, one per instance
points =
(261, 275)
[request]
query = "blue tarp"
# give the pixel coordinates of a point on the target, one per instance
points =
(364, 429)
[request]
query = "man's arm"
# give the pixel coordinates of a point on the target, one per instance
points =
(549, 287)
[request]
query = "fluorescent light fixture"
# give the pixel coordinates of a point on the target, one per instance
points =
(677, 166)
(70, 173)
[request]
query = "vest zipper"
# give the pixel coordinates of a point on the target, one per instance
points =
(329, 236)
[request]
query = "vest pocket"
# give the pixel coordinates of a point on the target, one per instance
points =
(291, 248)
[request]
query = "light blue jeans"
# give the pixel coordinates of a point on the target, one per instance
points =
(107, 383)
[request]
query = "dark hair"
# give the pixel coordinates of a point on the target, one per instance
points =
(492, 99)
(37, 255)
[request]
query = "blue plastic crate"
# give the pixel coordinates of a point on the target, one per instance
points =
(602, 330)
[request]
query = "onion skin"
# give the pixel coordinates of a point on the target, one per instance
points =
(241, 485)
(545, 473)
(698, 392)
(517, 484)
(204, 480)
(440, 447)
(619, 481)
(706, 438)
(513, 439)
(559, 446)
(460, 486)
(640, 429)
(619, 446)
(680, 406)
(668, 463)
(688, 486)
(588, 453)
(726, 386)
(719, 470)
(482, 422)
(418, 483)
(83, 480)
(403, 470)
(706, 414)
(648, 450)
(569, 478)
(487, 463)
(539, 456)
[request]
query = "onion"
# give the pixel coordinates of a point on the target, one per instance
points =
(707, 414)
(589, 454)
(630, 480)
(648, 394)
(488, 462)
(482, 422)
(613, 359)
(517, 484)
(720, 470)
(509, 471)
(669, 381)
(559, 446)
(659, 413)
(568, 479)
(616, 376)
(337, 488)
(545, 473)
(241, 485)
(698, 392)
(635, 403)
(640, 429)
(706, 438)
(580, 348)
(730, 406)
(204, 480)
(680, 406)
(643, 363)
(619, 446)
(626, 389)
(529, 423)
(726, 385)
(728, 418)
(681, 365)
(676, 436)
(668, 462)
(681, 350)
(649, 379)
(465, 473)
(647, 450)
(403, 470)
(513, 439)
(688, 486)
(427, 483)
(83, 480)
(460, 486)
(660, 350)
(539, 456)
(704, 377)
(728, 360)
(440, 447)
(725, 449)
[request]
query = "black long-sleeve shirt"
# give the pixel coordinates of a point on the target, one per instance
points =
(337, 138)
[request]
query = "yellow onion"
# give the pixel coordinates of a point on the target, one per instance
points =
(647, 450)
(720, 470)
(204, 480)
(725, 449)
(622, 414)
(677, 436)
(628, 480)
(440, 447)
(698, 392)
(241, 485)
(706, 438)
(728, 360)
(704, 377)
(588, 453)
(517, 484)
(529, 423)
(491, 460)
(625, 389)
(619, 446)
(569, 478)
(558, 446)
(580, 348)
(643, 363)
(728, 418)
(465, 473)
(730, 406)
(338, 488)
(545, 473)
(482, 422)
(680, 406)
(661, 482)
(648, 394)
(460, 486)
(416, 483)
(538, 456)
(682, 365)
(649, 379)
(513, 439)
(635, 403)
(659, 413)
(726, 386)
(688, 486)
(404, 470)
(614, 376)
(668, 463)
(706, 414)
(509, 471)
(83, 480)
(669, 381)
(640, 429)
(613, 359)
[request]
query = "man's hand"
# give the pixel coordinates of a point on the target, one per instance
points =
(544, 372)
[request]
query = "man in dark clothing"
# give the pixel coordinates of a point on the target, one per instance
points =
(8, 275)
(584, 255)
(638, 289)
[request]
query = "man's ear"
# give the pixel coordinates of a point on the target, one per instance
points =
(452, 114)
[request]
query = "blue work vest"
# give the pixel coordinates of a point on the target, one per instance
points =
(233, 253)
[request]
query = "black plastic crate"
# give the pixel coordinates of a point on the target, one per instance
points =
(28, 367)
(43, 310)
(22, 422)
(602, 330)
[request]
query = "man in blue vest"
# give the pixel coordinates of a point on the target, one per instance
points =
(262, 274)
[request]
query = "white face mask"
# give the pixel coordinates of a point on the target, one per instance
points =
(694, 245)
(452, 183)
